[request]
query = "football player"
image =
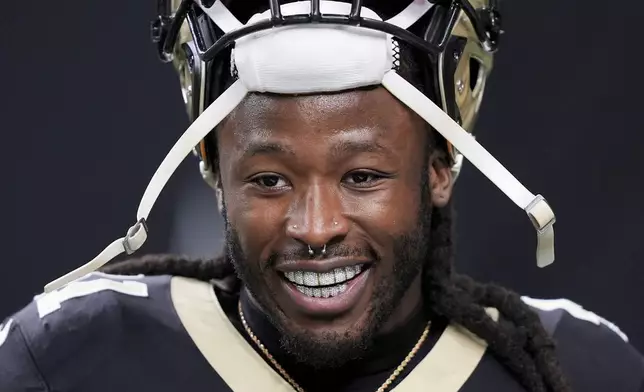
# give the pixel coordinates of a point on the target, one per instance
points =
(332, 134)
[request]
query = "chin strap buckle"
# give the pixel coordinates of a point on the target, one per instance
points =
(543, 219)
(135, 237)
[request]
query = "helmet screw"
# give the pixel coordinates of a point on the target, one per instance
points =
(460, 86)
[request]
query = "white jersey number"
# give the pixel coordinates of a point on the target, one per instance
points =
(51, 302)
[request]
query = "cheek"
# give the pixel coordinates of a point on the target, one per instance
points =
(256, 221)
(383, 218)
(389, 213)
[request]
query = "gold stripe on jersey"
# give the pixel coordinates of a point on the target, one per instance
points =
(446, 368)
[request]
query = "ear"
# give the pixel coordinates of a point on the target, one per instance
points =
(441, 181)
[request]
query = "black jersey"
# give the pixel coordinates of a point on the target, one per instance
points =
(109, 333)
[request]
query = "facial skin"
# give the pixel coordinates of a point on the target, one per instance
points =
(350, 171)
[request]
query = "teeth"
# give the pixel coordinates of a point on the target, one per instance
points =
(315, 279)
(340, 276)
(327, 278)
(322, 292)
(311, 279)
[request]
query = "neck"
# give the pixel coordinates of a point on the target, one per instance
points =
(388, 350)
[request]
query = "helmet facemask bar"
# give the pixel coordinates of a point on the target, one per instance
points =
(167, 33)
(273, 28)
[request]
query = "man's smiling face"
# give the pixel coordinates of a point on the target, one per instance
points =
(350, 173)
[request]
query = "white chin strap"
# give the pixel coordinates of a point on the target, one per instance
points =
(316, 58)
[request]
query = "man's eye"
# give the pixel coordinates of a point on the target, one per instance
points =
(362, 178)
(269, 181)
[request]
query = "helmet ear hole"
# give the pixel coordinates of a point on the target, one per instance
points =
(475, 73)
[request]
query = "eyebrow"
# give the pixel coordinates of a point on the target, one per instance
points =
(260, 147)
(339, 149)
(349, 147)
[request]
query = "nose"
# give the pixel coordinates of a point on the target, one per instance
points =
(316, 218)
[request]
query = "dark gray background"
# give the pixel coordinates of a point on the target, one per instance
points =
(88, 113)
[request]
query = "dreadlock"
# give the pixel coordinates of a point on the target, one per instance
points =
(518, 339)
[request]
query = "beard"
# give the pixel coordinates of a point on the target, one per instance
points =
(331, 349)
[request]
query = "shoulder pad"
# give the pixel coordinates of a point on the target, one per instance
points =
(94, 301)
(593, 352)
(67, 321)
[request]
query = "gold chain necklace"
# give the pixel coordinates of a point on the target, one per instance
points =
(298, 388)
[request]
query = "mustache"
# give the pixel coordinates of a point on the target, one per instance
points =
(338, 250)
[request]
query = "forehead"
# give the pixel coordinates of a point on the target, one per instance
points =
(371, 113)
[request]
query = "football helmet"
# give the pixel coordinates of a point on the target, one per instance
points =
(314, 46)
(459, 42)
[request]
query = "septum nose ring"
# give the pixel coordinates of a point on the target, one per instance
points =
(312, 252)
